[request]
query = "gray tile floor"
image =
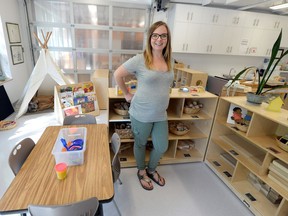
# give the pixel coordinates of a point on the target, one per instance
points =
(191, 189)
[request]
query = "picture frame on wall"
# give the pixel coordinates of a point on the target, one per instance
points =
(17, 54)
(13, 32)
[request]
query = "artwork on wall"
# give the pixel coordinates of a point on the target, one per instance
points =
(17, 54)
(13, 32)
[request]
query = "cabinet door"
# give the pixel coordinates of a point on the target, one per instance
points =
(192, 37)
(179, 43)
(232, 40)
(211, 39)
(185, 37)
(188, 13)
(214, 16)
(282, 24)
(236, 18)
(262, 41)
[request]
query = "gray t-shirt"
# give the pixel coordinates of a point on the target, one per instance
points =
(151, 99)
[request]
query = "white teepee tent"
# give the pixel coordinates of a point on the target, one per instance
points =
(45, 65)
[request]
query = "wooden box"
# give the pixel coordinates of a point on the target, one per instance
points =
(189, 77)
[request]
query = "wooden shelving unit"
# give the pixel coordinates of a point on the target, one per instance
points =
(253, 152)
(189, 77)
(200, 127)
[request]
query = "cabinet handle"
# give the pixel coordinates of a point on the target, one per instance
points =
(191, 18)
(217, 17)
(231, 49)
(238, 18)
(186, 47)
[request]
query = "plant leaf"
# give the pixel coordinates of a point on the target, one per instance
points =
(275, 87)
(268, 72)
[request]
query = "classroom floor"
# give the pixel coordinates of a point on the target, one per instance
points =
(191, 189)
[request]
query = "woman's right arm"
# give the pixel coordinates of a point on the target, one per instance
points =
(119, 76)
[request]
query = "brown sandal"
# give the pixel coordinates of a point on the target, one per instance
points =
(146, 179)
(151, 176)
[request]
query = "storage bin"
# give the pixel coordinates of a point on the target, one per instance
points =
(71, 158)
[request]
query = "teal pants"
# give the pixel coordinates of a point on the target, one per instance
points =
(159, 134)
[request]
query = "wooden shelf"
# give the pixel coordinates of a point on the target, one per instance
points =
(253, 151)
(200, 125)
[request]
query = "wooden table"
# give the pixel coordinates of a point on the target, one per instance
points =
(36, 182)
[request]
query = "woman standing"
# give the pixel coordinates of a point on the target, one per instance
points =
(154, 72)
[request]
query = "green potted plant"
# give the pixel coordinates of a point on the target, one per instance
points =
(258, 97)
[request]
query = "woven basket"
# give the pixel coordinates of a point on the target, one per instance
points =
(6, 125)
(121, 112)
(174, 130)
(124, 133)
(189, 110)
(179, 133)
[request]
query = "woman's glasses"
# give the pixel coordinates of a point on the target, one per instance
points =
(155, 36)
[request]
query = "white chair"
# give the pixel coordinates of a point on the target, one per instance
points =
(87, 207)
(116, 165)
(79, 119)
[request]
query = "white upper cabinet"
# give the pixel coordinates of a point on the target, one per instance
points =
(187, 13)
(197, 29)
(214, 16)
(185, 37)
(235, 18)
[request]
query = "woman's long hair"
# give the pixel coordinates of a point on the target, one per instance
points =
(166, 51)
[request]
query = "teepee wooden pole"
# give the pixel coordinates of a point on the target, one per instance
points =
(45, 38)
(41, 44)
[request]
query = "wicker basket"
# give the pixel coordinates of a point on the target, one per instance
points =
(121, 112)
(189, 110)
(179, 133)
(7, 125)
(124, 133)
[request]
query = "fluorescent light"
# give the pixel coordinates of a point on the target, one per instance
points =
(278, 7)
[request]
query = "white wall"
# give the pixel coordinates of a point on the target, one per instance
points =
(9, 12)
(217, 64)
